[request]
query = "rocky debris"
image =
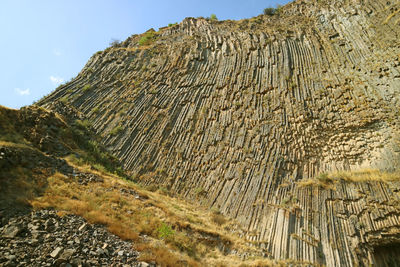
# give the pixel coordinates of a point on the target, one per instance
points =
(68, 112)
(86, 178)
(11, 231)
(235, 113)
(42, 129)
(13, 156)
(128, 191)
(42, 238)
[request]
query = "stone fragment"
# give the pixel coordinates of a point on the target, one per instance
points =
(56, 252)
(82, 227)
(67, 254)
(11, 231)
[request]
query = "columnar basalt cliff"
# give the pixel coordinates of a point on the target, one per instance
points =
(245, 115)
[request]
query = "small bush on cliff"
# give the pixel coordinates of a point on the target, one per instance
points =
(115, 42)
(200, 191)
(213, 17)
(218, 218)
(148, 38)
(118, 129)
(324, 178)
(86, 87)
(64, 99)
(91, 151)
(270, 11)
(83, 124)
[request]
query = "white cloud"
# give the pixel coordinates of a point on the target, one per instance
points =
(57, 52)
(56, 80)
(23, 92)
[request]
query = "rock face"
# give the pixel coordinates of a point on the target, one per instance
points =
(237, 112)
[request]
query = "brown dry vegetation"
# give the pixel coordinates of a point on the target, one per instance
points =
(166, 230)
(328, 180)
(196, 231)
(366, 175)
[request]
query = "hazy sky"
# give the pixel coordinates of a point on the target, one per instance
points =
(47, 42)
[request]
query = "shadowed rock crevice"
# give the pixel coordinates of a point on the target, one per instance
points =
(388, 255)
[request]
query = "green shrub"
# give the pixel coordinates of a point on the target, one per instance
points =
(200, 191)
(84, 125)
(151, 188)
(91, 151)
(12, 137)
(218, 218)
(270, 11)
(118, 129)
(278, 9)
(148, 38)
(76, 159)
(99, 167)
(163, 191)
(285, 201)
(172, 24)
(64, 100)
(213, 17)
(323, 177)
(115, 42)
(86, 87)
(165, 231)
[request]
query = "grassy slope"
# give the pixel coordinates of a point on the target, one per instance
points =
(166, 230)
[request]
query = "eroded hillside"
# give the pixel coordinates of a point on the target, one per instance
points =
(287, 123)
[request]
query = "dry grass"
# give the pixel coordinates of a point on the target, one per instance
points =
(122, 214)
(218, 218)
(191, 235)
(162, 256)
(366, 175)
(192, 242)
(230, 261)
(195, 233)
(95, 204)
(195, 236)
(12, 144)
(328, 180)
(323, 180)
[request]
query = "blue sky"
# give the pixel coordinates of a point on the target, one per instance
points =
(47, 42)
